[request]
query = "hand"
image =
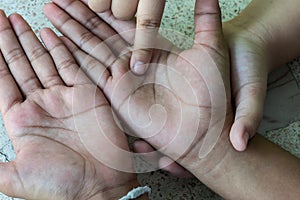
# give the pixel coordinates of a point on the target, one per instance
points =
(148, 14)
(48, 108)
(199, 78)
(250, 68)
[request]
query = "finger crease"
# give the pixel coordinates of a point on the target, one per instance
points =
(148, 23)
(85, 38)
(37, 53)
(66, 64)
(6, 29)
(29, 82)
(69, 20)
(212, 49)
(14, 55)
(203, 13)
(93, 22)
(24, 32)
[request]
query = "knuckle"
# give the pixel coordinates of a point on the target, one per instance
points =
(66, 65)
(4, 30)
(65, 23)
(30, 83)
(93, 23)
(205, 13)
(14, 55)
(4, 72)
(37, 53)
(148, 23)
(143, 52)
(22, 34)
(91, 65)
(85, 38)
(51, 80)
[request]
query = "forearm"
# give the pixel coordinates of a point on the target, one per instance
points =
(264, 171)
(276, 24)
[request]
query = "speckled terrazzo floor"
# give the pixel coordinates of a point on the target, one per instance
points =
(179, 16)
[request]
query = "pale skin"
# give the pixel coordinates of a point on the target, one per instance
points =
(259, 42)
(262, 38)
(37, 95)
(263, 171)
(120, 93)
(250, 164)
(148, 16)
(249, 78)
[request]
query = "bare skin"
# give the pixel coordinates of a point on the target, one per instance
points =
(222, 168)
(148, 15)
(250, 65)
(43, 99)
(259, 43)
(120, 86)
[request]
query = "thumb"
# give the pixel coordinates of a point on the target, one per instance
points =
(249, 111)
(207, 19)
(8, 179)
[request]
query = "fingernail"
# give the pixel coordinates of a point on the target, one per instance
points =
(140, 68)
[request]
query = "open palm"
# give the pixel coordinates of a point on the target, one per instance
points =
(49, 116)
(183, 96)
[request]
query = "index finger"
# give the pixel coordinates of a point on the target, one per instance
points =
(149, 14)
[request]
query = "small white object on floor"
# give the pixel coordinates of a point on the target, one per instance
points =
(137, 192)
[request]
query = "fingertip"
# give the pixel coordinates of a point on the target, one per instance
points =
(45, 32)
(2, 13)
(123, 10)
(99, 6)
(124, 16)
(49, 38)
(14, 16)
(139, 68)
(47, 8)
(85, 1)
(139, 62)
(17, 22)
(239, 139)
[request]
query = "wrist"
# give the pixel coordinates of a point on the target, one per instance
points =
(200, 167)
